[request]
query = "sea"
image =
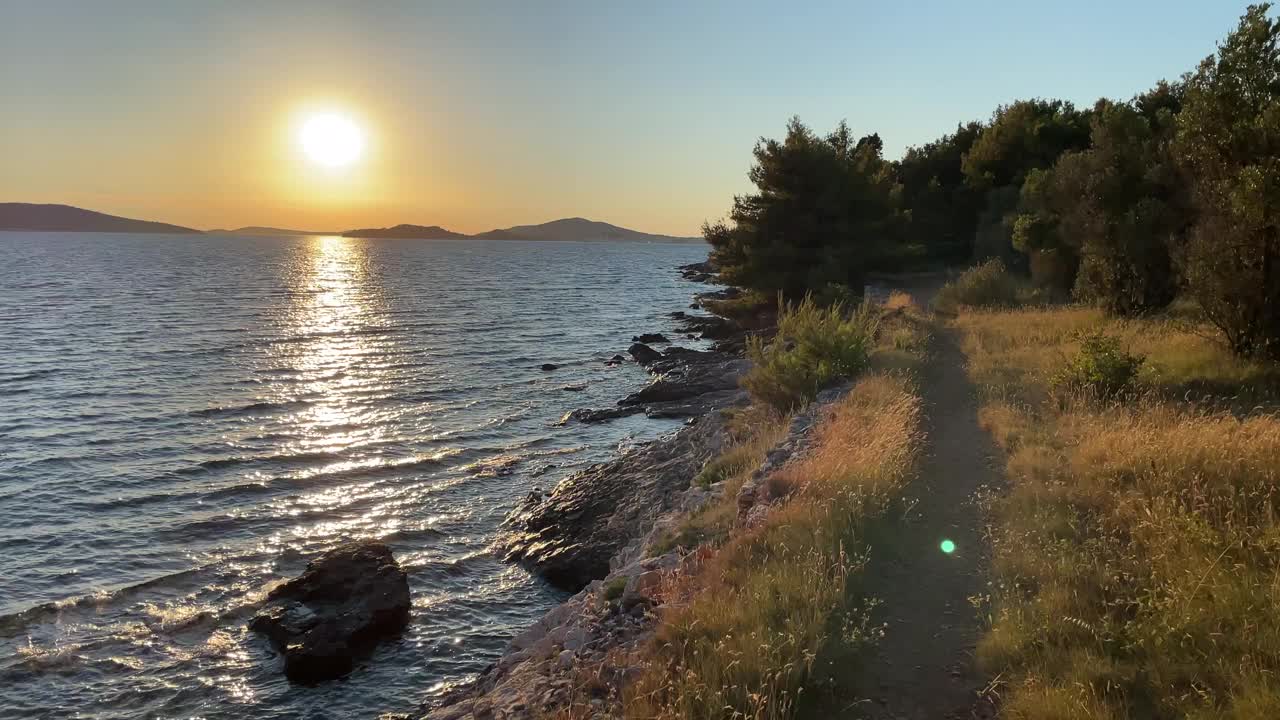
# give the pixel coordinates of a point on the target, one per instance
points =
(187, 420)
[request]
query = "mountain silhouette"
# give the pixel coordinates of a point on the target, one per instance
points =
(411, 232)
(65, 218)
(268, 231)
(575, 229)
(566, 229)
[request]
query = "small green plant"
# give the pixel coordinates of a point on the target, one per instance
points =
(728, 464)
(814, 346)
(989, 285)
(1102, 368)
(613, 589)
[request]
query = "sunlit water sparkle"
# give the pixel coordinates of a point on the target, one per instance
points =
(186, 420)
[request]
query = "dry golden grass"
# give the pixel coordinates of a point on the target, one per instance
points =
(899, 300)
(759, 610)
(754, 432)
(1137, 552)
(1013, 354)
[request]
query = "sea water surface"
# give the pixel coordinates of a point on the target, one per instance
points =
(186, 420)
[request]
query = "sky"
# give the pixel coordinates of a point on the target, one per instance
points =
(478, 114)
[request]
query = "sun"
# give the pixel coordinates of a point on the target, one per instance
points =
(331, 139)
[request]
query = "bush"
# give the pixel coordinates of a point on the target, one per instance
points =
(1102, 369)
(814, 346)
(988, 285)
(614, 589)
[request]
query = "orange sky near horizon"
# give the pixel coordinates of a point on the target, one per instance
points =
(251, 170)
(195, 121)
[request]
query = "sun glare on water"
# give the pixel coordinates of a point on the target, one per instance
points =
(331, 139)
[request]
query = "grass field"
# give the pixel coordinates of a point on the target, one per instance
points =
(1137, 550)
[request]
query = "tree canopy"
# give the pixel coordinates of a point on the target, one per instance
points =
(1124, 204)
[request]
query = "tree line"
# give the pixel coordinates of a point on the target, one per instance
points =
(1127, 204)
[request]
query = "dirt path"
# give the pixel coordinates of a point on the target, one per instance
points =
(923, 667)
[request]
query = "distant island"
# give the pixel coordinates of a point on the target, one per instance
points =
(65, 218)
(268, 231)
(407, 232)
(566, 229)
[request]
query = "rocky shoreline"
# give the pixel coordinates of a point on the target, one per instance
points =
(596, 532)
(583, 652)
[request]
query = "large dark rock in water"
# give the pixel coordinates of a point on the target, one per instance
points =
(644, 354)
(336, 610)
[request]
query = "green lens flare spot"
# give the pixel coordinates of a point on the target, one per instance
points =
(947, 546)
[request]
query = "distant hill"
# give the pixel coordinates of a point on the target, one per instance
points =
(576, 229)
(65, 218)
(409, 232)
(567, 229)
(259, 230)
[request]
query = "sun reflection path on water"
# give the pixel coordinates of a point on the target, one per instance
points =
(338, 312)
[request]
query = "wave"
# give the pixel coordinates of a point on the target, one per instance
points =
(32, 375)
(335, 471)
(287, 459)
(255, 408)
(13, 624)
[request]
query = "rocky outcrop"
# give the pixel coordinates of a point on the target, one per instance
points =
(704, 271)
(570, 535)
(709, 327)
(643, 354)
(728, 293)
(676, 360)
(335, 611)
(688, 383)
(650, 338)
(713, 375)
(595, 415)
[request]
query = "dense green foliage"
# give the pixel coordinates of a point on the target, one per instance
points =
(1122, 205)
(1110, 213)
(815, 345)
(824, 208)
(941, 210)
(1229, 142)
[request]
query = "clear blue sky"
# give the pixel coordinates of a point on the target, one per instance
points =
(483, 114)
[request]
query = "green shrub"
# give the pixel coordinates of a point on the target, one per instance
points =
(988, 285)
(613, 590)
(814, 346)
(723, 466)
(1102, 369)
